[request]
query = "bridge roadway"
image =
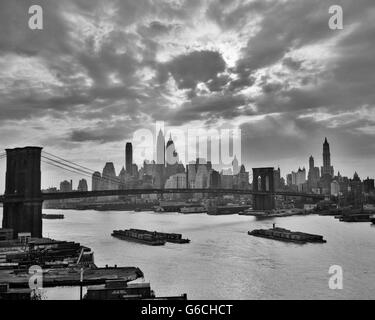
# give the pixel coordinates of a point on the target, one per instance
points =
(127, 192)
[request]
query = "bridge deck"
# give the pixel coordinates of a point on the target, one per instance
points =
(128, 192)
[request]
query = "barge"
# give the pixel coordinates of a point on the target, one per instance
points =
(193, 209)
(52, 216)
(139, 237)
(168, 237)
(227, 210)
(355, 218)
(287, 235)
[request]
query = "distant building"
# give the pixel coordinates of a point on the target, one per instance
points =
(335, 188)
(109, 179)
(236, 168)
(226, 181)
(368, 185)
(242, 179)
(177, 181)
(289, 180)
(325, 184)
(156, 171)
(123, 178)
(201, 178)
(66, 186)
(277, 179)
(356, 191)
(313, 175)
(134, 171)
(327, 168)
(171, 154)
(96, 181)
(160, 149)
(82, 185)
(129, 158)
(214, 179)
(191, 169)
(298, 179)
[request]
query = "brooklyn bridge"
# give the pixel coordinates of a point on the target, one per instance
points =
(23, 197)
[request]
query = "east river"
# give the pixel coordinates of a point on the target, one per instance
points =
(223, 261)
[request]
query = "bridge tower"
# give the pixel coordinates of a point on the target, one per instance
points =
(263, 181)
(23, 181)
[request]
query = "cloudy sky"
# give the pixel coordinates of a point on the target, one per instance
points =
(99, 70)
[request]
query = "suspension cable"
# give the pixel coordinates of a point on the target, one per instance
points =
(50, 154)
(76, 171)
(66, 169)
(85, 172)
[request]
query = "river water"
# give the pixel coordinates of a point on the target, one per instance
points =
(223, 261)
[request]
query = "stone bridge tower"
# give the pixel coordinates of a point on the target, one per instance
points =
(263, 181)
(23, 182)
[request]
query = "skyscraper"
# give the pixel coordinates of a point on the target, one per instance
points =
(129, 158)
(171, 154)
(96, 181)
(327, 169)
(160, 149)
(313, 175)
(235, 165)
(82, 185)
(109, 178)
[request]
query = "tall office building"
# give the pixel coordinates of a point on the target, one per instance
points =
(82, 185)
(96, 181)
(327, 169)
(235, 164)
(66, 186)
(129, 158)
(109, 178)
(313, 175)
(277, 178)
(171, 154)
(160, 149)
(299, 179)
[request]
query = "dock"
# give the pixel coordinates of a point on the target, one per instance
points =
(56, 277)
(62, 263)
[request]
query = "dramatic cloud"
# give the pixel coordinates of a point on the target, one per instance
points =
(99, 70)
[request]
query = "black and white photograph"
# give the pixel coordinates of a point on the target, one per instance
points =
(177, 151)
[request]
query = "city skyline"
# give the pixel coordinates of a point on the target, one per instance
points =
(58, 176)
(200, 64)
(187, 150)
(310, 174)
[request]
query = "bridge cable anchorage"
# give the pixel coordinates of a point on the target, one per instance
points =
(77, 167)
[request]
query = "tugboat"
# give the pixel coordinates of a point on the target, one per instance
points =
(287, 235)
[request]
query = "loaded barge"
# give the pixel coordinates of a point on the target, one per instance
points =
(52, 216)
(149, 237)
(168, 237)
(134, 236)
(287, 235)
